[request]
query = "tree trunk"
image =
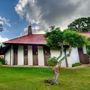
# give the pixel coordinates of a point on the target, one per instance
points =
(54, 79)
(56, 71)
(66, 61)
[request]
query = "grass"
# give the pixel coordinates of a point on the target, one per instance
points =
(25, 78)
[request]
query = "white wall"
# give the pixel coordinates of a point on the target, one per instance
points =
(63, 64)
(74, 57)
(7, 57)
(20, 55)
(40, 56)
(30, 57)
(56, 53)
(84, 49)
(11, 55)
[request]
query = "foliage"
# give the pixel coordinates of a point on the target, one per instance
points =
(52, 61)
(58, 39)
(76, 64)
(2, 61)
(73, 38)
(80, 25)
(54, 38)
(2, 44)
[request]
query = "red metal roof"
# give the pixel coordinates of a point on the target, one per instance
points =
(29, 39)
(34, 39)
(87, 34)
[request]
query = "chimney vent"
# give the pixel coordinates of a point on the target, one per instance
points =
(29, 29)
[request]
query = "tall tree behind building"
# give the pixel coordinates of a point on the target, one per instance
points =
(80, 25)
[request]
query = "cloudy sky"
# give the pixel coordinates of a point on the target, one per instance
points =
(15, 15)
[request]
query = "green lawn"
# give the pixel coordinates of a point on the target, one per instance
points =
(24, 78)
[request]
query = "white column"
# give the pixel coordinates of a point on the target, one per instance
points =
(20, 55)
(84, 49)
(7, 57)
(30, 56)
(11, 56)
(40, 56)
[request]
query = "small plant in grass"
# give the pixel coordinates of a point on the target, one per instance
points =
(52, 61)
(2, 61)
(76, 64)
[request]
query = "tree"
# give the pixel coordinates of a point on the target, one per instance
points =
(80, 25)
(63, 41)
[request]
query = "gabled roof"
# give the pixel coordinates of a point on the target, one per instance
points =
(34, 39)
(28, 39)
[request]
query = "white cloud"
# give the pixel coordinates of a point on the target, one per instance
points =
(53, 12)
(29, 10)
(20, 6)
(24, 6)
(4, 21)
(2, 39)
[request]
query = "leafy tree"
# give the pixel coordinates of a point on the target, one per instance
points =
(80, 25)
(64, 41)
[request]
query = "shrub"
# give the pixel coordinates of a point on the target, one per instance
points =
(2, 61)
(52, 61)
(76, 64)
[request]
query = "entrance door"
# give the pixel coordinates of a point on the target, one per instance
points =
(25, 55)
(46, 55)
(15, 54)
(35, 54)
